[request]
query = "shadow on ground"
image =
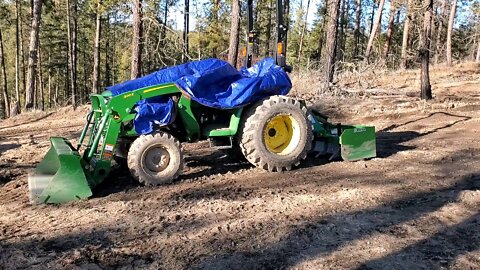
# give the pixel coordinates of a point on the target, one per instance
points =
(8, 146)
(325, 235)
(10, 171)
(391, 142)
(120, 179)
(86, 250)
(440, 249)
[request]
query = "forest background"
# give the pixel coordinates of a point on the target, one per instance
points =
(56, 52)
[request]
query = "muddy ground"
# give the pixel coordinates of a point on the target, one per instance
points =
(415, 206)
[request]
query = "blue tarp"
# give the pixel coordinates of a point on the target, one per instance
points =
(151, 112)
(212, 82)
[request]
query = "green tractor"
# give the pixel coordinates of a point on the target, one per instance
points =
(274, 133)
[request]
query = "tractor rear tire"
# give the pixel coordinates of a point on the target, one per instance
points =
(155, 159)
(276, 134)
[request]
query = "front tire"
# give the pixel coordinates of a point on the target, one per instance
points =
(277, 134)
(155, 159)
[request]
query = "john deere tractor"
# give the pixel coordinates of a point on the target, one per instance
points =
(144, 122)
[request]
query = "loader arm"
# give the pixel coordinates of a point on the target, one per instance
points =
(107, 120)
(65, 175)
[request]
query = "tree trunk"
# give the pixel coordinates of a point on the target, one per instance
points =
(40, 80)
(286, 14)
(373, 15)
(406, 29)
(357, 28)
(426, 88)
(114, 47)
(22, 57)
(216, 25)
(341, 34)
(451, 21)
(165, 18)
(32, 57)
(331, 43)
(85, 76)
(107, 51)
(478, 52)
(474, 50)
(6, 100)
(17, 50)
(186, 29)
(71, 33)
(49, 81)
(376, 25)
(66, 88)
(70, 53)
(268, 34)
(55, 96)
(302, 34)
(96, 50)
(438, 41)
(234, 33)
(136, 40)
(390, 30)
(322, 38)
(74, 55)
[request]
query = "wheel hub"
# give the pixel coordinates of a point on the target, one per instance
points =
(157, 159)
(272, 132)
(281, 134)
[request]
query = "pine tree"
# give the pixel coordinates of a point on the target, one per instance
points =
(96, 48)
(234, 33)
(18, 47)
(406, 29)
(331, 42)
(388, 40)
(438, 41)
(302, 34)
(358, 18)
(477, 59)
(3, 68)
(426, 88)
(32, 58)
(137, 39)
(451, 21)
(375, 27)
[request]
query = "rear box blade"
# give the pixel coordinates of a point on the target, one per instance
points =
(358, 142)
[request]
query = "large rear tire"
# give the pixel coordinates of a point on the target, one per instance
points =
(276, 134)
(155, 159)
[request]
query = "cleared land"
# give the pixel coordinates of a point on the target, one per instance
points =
(414, 206)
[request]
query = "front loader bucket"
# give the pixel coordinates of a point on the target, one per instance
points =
(358, 142)
(59, 177)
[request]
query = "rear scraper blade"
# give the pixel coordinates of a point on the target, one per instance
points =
(358, 142)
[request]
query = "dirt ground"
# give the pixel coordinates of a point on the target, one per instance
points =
(415, 206)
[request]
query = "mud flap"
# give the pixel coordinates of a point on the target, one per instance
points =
(59, 177)
(358, 142)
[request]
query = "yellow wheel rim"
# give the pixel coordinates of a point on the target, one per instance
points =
(282, 134)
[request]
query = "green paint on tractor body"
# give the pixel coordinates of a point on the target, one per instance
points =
(66, 175)
(358, 142)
